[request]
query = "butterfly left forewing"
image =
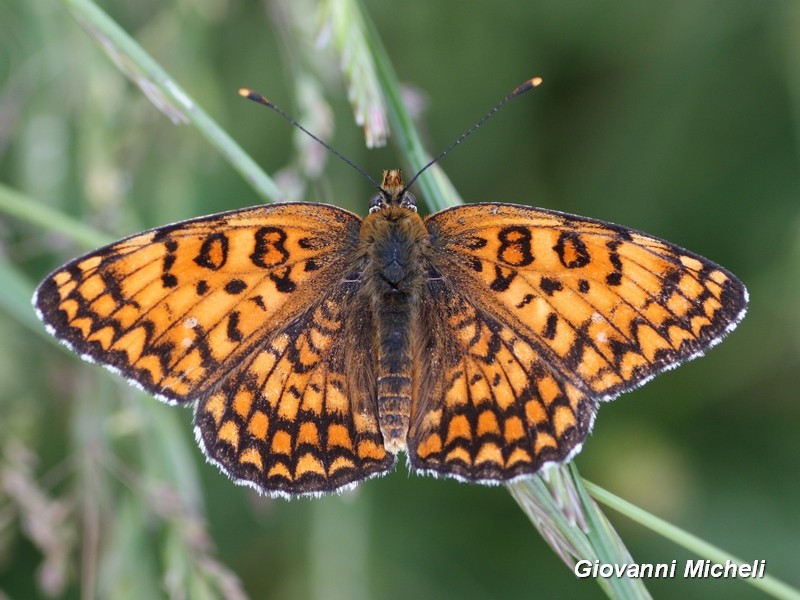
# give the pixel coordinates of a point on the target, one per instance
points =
(175, 308)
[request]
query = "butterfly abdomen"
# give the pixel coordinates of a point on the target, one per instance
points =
(395, 241)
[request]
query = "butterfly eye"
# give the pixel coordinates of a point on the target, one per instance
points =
(376, 203)
(408, 201)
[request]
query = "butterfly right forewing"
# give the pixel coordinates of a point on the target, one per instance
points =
(608, 306)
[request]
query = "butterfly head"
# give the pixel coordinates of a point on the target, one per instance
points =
(393, 193)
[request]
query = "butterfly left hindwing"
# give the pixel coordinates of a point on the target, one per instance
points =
(299, 414)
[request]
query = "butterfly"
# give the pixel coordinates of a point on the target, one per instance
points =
(315, 346)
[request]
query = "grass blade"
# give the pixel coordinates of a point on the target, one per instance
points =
(165, 93)
(343, 22)
(769, 584)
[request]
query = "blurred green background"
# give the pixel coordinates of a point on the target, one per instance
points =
(677, 118)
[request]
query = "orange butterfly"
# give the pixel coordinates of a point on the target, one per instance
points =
(314, 345)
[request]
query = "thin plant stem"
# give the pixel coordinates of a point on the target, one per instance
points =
(439, 193)
(437, 190)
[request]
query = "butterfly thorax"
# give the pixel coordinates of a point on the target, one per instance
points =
(396, 246)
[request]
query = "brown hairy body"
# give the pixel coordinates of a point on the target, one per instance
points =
(396, 246)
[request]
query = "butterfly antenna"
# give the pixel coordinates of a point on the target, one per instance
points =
(256, 97)
(518, 91)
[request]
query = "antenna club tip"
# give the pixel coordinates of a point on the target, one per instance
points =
(254, 96)
(528, 85)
